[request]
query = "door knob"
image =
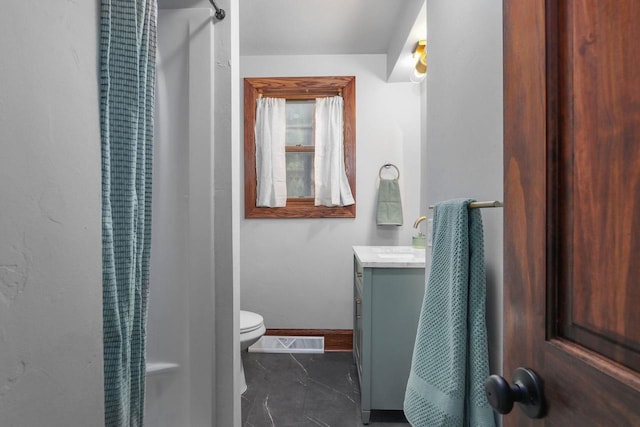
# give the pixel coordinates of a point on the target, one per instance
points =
(526, 390)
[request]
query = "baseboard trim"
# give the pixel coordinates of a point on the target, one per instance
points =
(334, 339)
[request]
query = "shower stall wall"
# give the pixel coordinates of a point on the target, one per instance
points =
(180, 345)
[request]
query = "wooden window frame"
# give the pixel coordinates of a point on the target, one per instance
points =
(298, 88)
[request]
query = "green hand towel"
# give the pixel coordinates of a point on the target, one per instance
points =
(450, 358)
(389, 204)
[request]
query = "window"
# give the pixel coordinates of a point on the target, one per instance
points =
(300, 94)
(299, 149)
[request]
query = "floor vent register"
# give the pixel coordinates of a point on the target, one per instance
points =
(276, 344)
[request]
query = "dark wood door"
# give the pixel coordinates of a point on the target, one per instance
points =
(572, 206)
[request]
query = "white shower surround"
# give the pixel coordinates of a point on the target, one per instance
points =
(191, 325)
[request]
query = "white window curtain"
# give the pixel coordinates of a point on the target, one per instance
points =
(271, 167)
(331, 184)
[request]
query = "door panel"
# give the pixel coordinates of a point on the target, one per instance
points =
(572, 205)
(600, 140)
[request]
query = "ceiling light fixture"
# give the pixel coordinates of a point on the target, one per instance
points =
(420, 56)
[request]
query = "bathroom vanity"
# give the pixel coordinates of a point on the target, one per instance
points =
(388, 289)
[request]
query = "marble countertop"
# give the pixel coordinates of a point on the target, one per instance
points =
(390, 256)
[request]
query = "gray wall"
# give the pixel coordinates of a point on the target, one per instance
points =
(50, 216)
(298, 272)
(464, 132)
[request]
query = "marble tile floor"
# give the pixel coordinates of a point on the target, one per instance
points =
(306, 390)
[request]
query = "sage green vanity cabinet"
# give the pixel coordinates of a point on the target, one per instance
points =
(387, 301)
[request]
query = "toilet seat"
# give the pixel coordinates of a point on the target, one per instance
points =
(250, 321)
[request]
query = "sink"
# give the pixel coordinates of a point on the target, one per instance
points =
(390, 256)
(396, 256)
(392, 250)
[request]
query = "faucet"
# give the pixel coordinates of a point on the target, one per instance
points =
(418, 221)
(419, 240)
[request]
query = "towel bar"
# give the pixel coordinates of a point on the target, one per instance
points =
(477, 205)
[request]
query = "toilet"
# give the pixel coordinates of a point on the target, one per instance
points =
(251, 329)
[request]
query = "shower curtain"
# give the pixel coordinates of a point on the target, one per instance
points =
(127, 82)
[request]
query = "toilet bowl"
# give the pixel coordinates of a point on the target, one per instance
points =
(251, 329)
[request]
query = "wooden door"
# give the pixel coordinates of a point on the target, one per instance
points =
(572, 207)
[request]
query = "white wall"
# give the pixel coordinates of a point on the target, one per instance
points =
(424, 204)
(50, 216)
(464, 132)
(298, 272)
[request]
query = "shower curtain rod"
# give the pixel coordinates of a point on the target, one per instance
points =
(219, 12)
(475, 205)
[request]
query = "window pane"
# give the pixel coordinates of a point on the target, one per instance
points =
(299, 175)
(299, 137)
(300, 115)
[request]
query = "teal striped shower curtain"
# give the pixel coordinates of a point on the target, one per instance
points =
(127, 83)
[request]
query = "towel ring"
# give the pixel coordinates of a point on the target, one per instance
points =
(389, 165)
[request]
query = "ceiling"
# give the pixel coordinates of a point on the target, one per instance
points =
(320, 27)
(328, 27)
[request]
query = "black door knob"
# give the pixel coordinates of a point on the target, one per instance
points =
(526, 390)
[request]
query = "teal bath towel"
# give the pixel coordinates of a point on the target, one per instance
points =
(389, 203)
(450, 358)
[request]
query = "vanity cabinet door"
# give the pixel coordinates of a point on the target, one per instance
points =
(386, 309)
(396, 300)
